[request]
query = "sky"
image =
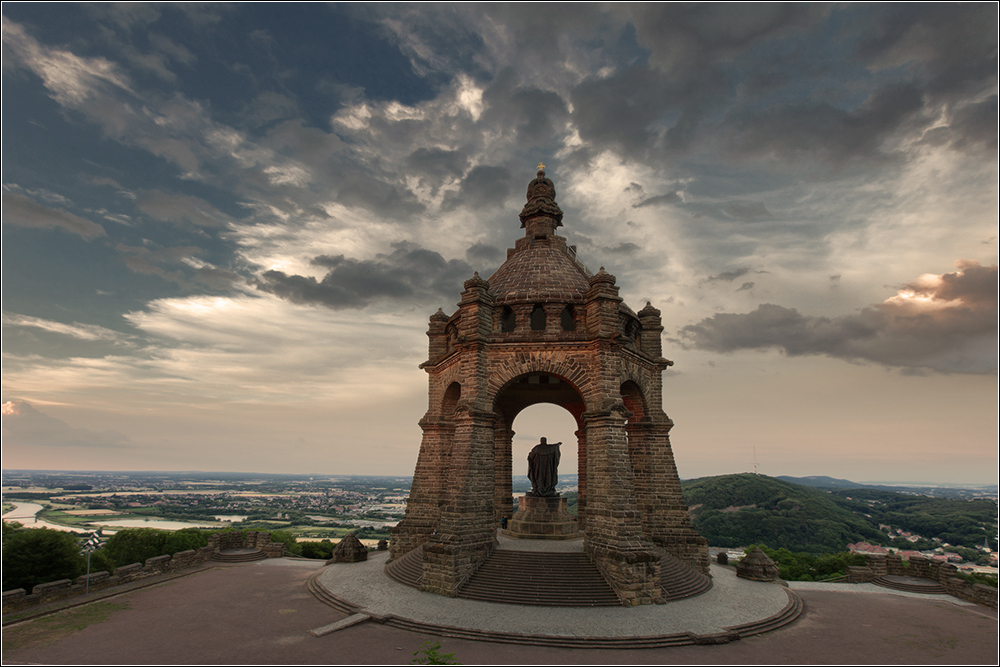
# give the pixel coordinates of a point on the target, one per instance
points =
(226, 225)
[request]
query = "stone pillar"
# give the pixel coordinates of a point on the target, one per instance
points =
(466, 532)
(665, 519)
(437, 339)
(423, 509)
(581, 477)
(652, 327)
(614, 538)
(503, 439)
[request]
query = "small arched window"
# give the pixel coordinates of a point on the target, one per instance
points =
(538, 318)
(567, 318)
(508, 321)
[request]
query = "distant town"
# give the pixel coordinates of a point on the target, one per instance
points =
(325, 507)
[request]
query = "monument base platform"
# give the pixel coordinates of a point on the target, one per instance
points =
(542, 519)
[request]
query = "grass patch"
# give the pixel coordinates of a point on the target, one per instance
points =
(50, 629)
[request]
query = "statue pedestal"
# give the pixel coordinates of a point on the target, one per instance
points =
(542, 519)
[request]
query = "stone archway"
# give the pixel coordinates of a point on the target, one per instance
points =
(545, 329)
(515, 396)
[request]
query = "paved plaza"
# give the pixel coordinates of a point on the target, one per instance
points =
(263, 613)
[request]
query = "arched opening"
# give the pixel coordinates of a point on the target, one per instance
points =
(508, 321)
(538, 318)
(552, 408)
(556, 424)
(567, 318)
(450, 400)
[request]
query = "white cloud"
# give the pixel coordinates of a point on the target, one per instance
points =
(86, 332)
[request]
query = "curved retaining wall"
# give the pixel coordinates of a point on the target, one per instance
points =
(918, 566)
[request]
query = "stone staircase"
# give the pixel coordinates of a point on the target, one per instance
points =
(550, 579)
(679, 580)
(408, 568)
(245, 555)
(909, 584)
(540, 578)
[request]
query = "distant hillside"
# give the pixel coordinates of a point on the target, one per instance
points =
(954, 521)
(821, 481)
(954, 491)
(743, 509)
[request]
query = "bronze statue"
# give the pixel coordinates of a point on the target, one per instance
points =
(543, 463)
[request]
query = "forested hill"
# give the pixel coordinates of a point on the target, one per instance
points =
(744, 509)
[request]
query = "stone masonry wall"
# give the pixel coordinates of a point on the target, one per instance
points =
(943, 573)
(19, 599)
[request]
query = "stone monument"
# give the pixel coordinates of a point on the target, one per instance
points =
(542, 513)
(543, 469)
(545, 329)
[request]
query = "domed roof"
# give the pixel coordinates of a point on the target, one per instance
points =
(541, 272)
(541, 268)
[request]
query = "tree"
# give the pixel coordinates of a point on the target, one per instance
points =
(135, 545)
(34, 556)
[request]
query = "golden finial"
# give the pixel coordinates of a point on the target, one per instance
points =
(541, 166)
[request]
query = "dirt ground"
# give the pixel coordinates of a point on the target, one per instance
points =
(262, 615)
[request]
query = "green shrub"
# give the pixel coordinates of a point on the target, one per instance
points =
(34, 556)
(429, 654)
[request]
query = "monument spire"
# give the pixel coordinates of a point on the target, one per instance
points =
(541, 214)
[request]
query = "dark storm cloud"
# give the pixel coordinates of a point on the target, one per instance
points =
(624, 249)
(24, 212)
(973, 127)
(534, 115)
(728, 276)
(811, 129)
(481, 252)
(618, 111)
(24, 425)
(689, 78)
(409, 272)
(954, 46)
(681, 35)
(435, 166)
(669, 198)
(482, 186)
(946, 323)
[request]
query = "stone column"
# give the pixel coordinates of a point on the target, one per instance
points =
(422, 507)
(581, 477)
(503, 439)
(614, 537)
(466, 532)
(665, 519)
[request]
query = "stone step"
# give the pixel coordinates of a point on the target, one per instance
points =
(238, 557)
(550, 579)
(540, 578)
(914, 586)
(408, 568)
(679, 580)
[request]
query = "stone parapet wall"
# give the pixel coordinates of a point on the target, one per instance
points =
(251, 539)
(857, 574)
(943, 573)
(19, 599)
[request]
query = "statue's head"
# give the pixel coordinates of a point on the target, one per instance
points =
(543, 441)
